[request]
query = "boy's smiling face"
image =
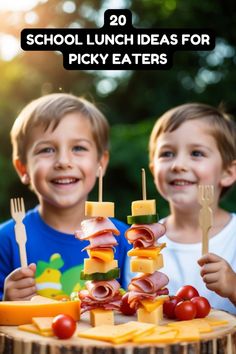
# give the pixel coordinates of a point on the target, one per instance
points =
(62, 164)
(185, 158)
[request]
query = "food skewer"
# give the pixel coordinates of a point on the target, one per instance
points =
(102, 294)
(146, 259)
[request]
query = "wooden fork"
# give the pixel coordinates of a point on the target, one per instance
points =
(18, 214)
(205, 198)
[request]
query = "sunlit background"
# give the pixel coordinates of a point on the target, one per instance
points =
(131, 100)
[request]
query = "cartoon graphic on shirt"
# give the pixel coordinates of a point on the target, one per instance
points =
(51, 282)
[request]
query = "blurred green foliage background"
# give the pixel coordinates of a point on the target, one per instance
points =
(131, 100)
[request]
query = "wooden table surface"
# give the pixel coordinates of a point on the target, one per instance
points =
(221, 341)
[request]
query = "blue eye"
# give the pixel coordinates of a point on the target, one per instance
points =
(197, 153)
(46, 150)
(78, 148)
(166, 154)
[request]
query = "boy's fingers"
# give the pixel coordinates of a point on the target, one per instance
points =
(26, 294)
(209, 258)
(32, 266)
(20, 273)
(25, 283)
(210, 268)
(219, 291)
(210, 278)
(23, 294)
(17, 274)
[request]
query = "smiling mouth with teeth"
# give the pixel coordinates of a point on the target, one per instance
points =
(181, 183)
(65, 181)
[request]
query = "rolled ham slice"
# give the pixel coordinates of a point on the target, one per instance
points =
(94, 227)
(135, 296)
(101, 294)
(106, 240)
(147, 286)
(87, 303)
(145, 235)
(102, 290)
(149, 283)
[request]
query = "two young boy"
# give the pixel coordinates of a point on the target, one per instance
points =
(59, 141)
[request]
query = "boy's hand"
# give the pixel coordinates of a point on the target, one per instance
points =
(218, 276)
(20, 284)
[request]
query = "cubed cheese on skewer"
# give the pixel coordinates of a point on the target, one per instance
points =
(150, 317)
(92, 265)
(103, 209)
(146, 265)
(143, 207)
(99, 317)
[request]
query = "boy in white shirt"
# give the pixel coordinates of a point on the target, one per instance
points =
(190, 145)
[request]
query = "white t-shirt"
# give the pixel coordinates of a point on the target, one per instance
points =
(180, 263)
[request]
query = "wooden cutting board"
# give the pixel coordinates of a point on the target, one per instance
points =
(221, 341)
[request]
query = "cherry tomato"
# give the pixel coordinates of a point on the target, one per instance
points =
(202, 305)
(186, 292)
(125, 306)
(63, 326)
(185, 310)
(169, 306)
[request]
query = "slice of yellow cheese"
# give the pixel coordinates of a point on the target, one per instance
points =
(123, 339)
(93, 265)
(31, 328)
(146, 265)
(187, 334)
(44, 324)
(148, 252)
(150, 305)
(105, 254)
(113, 333)
(13, 313)
(41, 326)
(104, 209)
(143, 207)
(141, 328)
(161, 334)
(215, 322)
(200, 323)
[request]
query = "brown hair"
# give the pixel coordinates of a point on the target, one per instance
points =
(221, 126)
(50, 110)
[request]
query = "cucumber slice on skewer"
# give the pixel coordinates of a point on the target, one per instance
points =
(111, 274)
(142, 219)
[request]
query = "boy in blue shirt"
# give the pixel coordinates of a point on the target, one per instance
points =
(59, 141)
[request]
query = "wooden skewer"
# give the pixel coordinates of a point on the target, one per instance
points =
(100, 184)
(144, 191)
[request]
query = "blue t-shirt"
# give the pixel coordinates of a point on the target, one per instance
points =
(58, 256)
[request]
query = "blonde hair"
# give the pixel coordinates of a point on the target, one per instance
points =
(221, 126)
(50, 110)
